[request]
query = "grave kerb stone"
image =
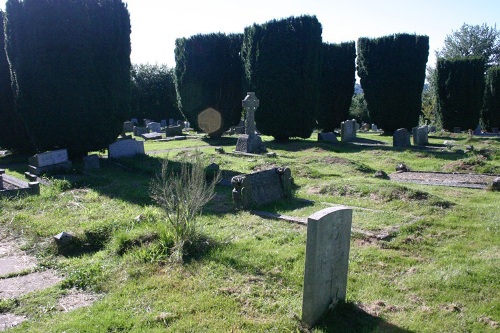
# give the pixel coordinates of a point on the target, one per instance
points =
(327, 261)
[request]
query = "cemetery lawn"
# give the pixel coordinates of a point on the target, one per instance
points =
(422, 259)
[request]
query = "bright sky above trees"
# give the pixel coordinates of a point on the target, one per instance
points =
(157, 23)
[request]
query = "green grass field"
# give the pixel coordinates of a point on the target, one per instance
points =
(439, 271)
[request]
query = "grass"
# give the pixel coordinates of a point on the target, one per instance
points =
(437, 272)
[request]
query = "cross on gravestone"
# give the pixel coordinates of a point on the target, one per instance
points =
(250, 103)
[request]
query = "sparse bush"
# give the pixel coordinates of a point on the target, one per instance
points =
(182, 196)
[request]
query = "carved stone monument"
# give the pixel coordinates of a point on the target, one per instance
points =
(348, 130)
(250, 142)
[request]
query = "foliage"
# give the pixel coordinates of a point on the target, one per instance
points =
(358, 109)
(460, 91)
(70, 67)
(209, 75)
(490, 113)
(182, 196)
(282, 66)
(337, 84)
(153, 94)
(392, 73)
(473, 41)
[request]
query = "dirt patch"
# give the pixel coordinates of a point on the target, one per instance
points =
(21, 285)
(445, 179)
(77, 299)
(8, 320)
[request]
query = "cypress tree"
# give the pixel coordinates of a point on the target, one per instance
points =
(490, 115)
(153, 94)
(392, 73)
(70, 66)
(460, 91)
(282, 66)
(337, 84)
(208, 71)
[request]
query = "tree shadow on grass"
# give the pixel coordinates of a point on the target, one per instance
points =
(350, 318)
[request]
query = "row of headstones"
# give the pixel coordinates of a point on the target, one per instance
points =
(348, 130)
(401, 137)
(174, 128)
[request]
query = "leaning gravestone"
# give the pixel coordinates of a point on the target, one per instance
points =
(348, 130)
(420, 136)
(261, 187)
(327, 261)
(56, 160)
(139, 130)
(172, 131)
(327, 137)
(401, 138)
(250, 142)
(126, 148)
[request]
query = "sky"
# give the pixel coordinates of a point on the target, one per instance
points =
(156, 24)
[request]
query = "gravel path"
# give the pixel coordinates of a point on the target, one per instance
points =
(445, 179)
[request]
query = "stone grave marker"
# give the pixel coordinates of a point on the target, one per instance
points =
(432, 129)
(261, 187)
(401, 138)
(91, 162)
(420, 136)
(151, 136)
(128, 126)
(348, 130)
(135, 121)
(457, 130)
(172, 131)
(163, 123)
(250, 142)
(327, 261)
(12, 187)
(56, 160)
(327, 137)
(154, 127)
(146, 122)
(139, 130)
(374, 128)
(171, 122)
(126, 148)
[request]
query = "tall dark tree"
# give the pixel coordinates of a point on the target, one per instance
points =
(208, 70)
(460, 91)
(490, 115)
(12, 132)
(392, 72)
(282, 65)
(338, 76)
(70, 67)
(153, 94)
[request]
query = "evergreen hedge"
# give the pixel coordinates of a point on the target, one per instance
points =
(153, 94)
(392, 73)
(70, 66)
(282, 66)
(209, 75)
(490, 115)
(338, 76)
(460, 91)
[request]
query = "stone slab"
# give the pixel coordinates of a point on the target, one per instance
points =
(60, 167)
(327, 260)
(151, 136)
(172, 131)
(49, 158)
(126, 148)
(250, 144)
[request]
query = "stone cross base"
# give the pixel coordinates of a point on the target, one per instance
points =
(250, 144)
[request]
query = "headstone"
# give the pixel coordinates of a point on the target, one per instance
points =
(135, 121)
(420, 136)
(91, 162)
(172, 131)
(126, 148)
(180, 123)
(432, 129)
(401, 138)
(250, 142)
(139, 130)
(327, 137)
(495, 130)
(128, 126)
(374, 128)
(146, 122)
(457, 130)
(327, 261)
(171, 121)
(348, 130)
(56, 160)
(154, 127)
(187, 124)
(261, 187)
(151, 136)
(477, 131)
(163, 123)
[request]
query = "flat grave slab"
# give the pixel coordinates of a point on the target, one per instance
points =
(479, 181)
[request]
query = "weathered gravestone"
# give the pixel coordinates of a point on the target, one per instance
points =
(13, 187)
(126, 148)
(327, 261)
(163, 122)
(139, 130)
(135, 121)
(401, 138)
(51, 161)
(374, 128)
(128, 126)
(420, 136)
(432, 129)
(348, 130)
(261, 187)
(151, 136)
(154, 127)
(250, 142)
(91, 162)
(457, 130)
(327, 137)
(171, 131)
